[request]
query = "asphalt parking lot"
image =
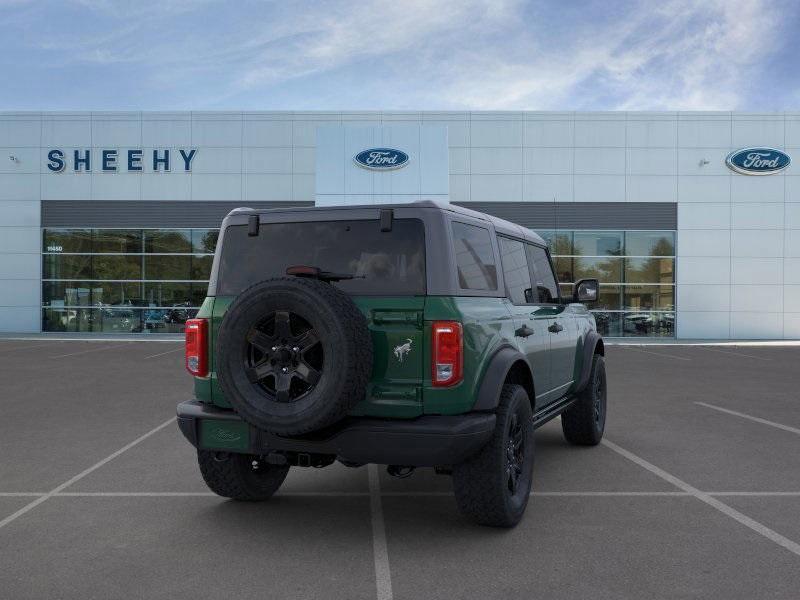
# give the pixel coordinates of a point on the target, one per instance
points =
(695, 493)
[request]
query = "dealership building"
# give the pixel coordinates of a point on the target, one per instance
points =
(690, 220)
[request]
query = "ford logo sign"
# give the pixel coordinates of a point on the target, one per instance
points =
(381, 159)
(758, 161)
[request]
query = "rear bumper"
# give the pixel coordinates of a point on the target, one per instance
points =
(427, 441)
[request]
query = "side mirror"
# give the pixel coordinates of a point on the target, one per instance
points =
(586, 290)
(529, 295)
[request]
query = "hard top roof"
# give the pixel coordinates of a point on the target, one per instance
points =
(500, 225)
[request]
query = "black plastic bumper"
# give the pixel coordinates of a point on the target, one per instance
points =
(426, 441)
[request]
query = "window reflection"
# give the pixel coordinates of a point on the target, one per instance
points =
(636, 270)
(124, 280)
(598, 243)
(605, 269)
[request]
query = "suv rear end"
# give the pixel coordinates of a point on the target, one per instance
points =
(400, 265)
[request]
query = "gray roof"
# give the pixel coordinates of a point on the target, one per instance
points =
(500, 225)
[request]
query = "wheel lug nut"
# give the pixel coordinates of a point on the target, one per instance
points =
(274, 348)
(295, 349)
(285, 369)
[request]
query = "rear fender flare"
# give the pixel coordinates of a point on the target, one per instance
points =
(495, 375)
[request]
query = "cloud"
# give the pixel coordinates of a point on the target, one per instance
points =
(451, 54)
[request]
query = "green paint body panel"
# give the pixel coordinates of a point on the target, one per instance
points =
(486, 325)
(400, 386)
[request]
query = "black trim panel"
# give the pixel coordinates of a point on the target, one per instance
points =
(583, 215)
(428, 441)
(145, 213)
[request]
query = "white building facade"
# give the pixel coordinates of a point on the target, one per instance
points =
(107, 220)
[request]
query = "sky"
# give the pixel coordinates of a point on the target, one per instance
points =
(400, 55)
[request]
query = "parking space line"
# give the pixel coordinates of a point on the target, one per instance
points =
(31, 505)
(734, 514)
(742, 354)
(657, 353)
(794, 430)
(380, 551)
(163, 353)
(87, 351)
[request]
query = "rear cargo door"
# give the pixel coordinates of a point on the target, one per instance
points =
(396, 325)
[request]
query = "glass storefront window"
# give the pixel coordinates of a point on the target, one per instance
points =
(117, 266)
(67, 266)
(91, 293)
(597, 243)
(650, 270)
(204, 241)
(650, 243)
(67, 240)
(168, 241)
(201, 267)
(648, 324)
(559, 242)
(649, 297)
(636, 270)
(123, 241)
(609, 324)
(124, 280)
(607, 270)
(168, 267)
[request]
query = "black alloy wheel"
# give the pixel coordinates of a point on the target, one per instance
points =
(284, 356)
(515, 453)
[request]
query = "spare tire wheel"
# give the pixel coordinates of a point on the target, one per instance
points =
(293, 355)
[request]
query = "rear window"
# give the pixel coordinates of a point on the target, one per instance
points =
(390, 263)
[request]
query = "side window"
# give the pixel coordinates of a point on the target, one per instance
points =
(474, 257)
(515, 270)
(542, 271)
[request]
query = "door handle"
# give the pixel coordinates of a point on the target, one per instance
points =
(524, 331)
(555, 328)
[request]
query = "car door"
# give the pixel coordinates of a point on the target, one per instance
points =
(560, 322)
(531, 333)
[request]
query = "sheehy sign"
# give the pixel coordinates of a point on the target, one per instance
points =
(110, 161)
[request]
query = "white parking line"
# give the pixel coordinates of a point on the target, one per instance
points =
(657, 353)
(31, 505)
(751, 418)
(383, 576)
(163, 353)
(87, 351)
(733, 353)
(734, 514)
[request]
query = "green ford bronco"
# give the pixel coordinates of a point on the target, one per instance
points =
(410, 335)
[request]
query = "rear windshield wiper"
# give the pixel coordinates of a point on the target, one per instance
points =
(317, 273)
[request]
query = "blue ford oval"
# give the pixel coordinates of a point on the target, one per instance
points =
(381, 159)
(758, 161)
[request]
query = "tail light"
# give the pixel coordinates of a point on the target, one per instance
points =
(197, 347)
(447, 356)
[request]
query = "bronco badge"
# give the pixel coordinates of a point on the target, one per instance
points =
(401, 350)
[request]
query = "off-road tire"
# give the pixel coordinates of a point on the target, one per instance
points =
(343, 336)
(481, 483)
(583, 423)
(232, 475)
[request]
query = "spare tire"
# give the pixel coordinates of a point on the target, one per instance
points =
(293, 355)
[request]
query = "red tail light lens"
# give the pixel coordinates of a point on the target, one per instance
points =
(197, 347)
(447, 356)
